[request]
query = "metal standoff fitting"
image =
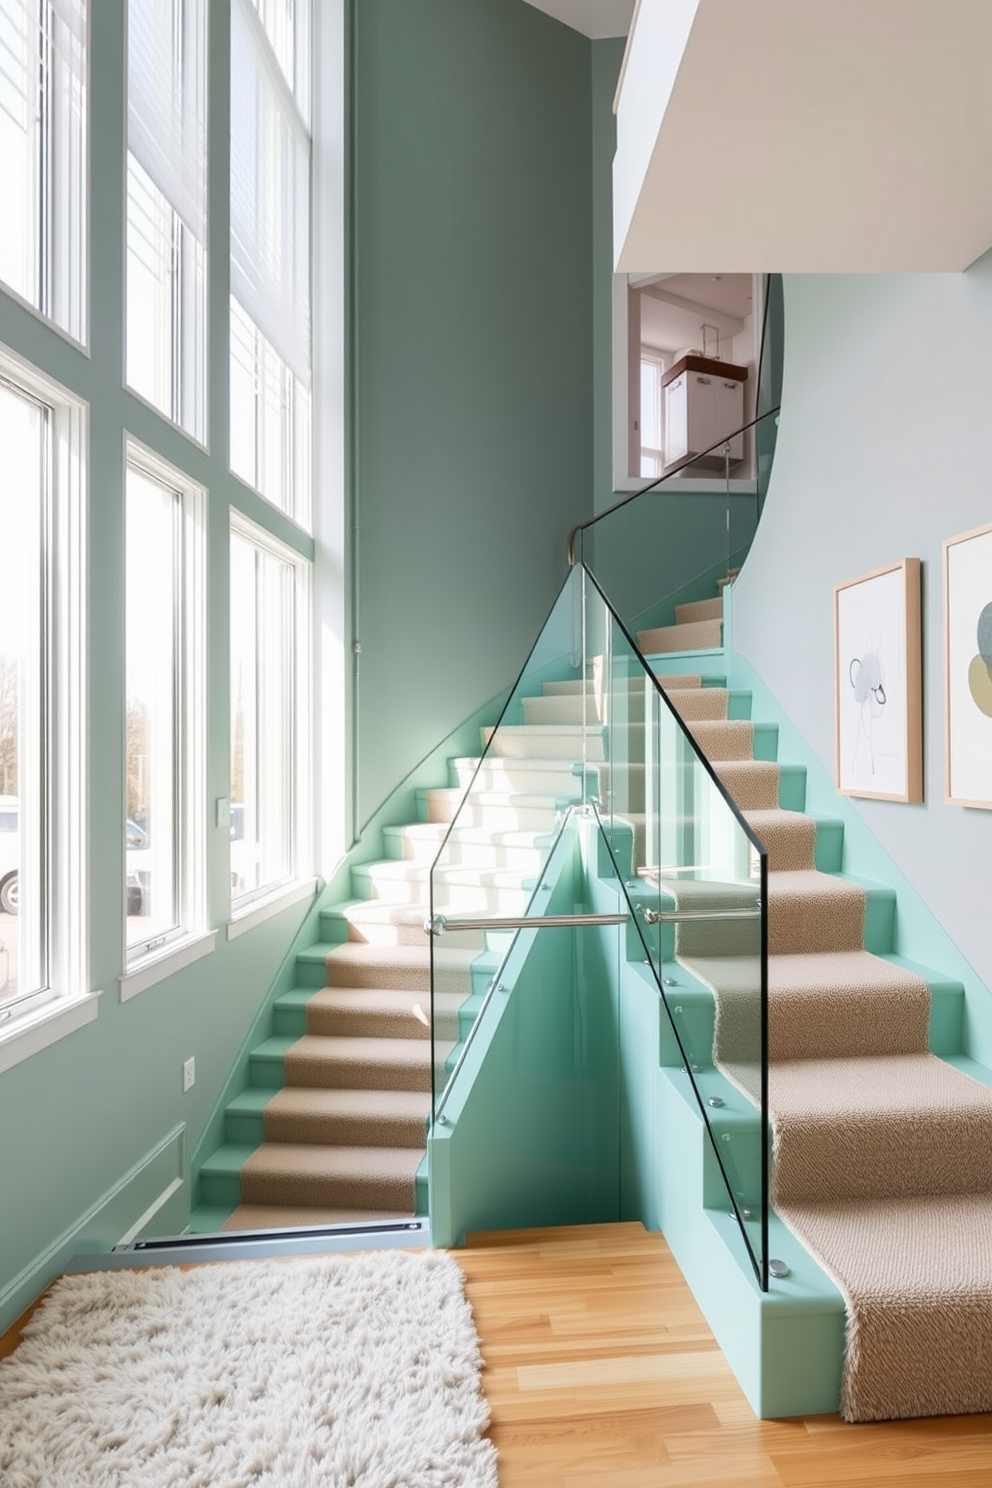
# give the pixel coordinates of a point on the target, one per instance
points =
(778, 1269)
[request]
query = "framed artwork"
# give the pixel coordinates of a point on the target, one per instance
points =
(968, 668)
(878, 689)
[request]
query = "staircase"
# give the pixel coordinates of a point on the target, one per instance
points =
(332, 1127)
(882, 1151)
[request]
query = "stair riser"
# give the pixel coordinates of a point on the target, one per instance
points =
(500, 776)
(494, 818)
(627, 704)
(473, 854)
(699, 635)
(337, 1023)
(220, 1189)
(449, 890)
(538, 744)
(372, 933)
(381, 1131)
(328, 1193)
(698, 609)
(376, 924)
(342, 1074)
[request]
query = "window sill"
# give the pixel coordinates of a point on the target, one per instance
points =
(39, 1030)
(156, 968)
(260, 910)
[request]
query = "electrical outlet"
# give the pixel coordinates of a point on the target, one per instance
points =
(189, 1074)
(222, 808)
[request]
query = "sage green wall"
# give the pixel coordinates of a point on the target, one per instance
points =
(606, 59)
(473, 343)
(882, 454)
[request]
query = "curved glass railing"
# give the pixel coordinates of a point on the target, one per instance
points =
(588, 726)
(674, 543)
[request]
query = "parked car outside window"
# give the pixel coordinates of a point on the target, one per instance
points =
(135, 841)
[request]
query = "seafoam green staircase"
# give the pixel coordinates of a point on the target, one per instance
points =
(332, 1123)
(786, 1346)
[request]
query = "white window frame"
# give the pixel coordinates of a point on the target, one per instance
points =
(658, 360)
(258, 905)
(67, 1002)
(189, 291)
(279, 319)
(151, 960)
(62, 276)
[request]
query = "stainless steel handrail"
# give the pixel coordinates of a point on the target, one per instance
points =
(438, 924)
(682, 916)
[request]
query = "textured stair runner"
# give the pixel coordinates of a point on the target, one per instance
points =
(345, 1137)
(882, 1152)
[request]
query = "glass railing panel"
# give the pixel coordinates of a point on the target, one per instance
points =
(526, 1133)
(769, 383)
(672, 544)
(506, 808)
(691, 872)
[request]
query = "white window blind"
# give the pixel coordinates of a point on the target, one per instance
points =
(270, 194)
(43, 161)
(166, 102)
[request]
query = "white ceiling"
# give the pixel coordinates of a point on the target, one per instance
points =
(824, 136)
(674, 309)
(595, 18)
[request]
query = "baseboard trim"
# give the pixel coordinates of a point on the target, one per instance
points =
(155, 1184)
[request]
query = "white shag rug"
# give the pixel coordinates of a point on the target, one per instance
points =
(345, 1371)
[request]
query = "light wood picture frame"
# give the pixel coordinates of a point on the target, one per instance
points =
(968, 669)
(878, 684)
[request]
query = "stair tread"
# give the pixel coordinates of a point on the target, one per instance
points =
(402, 1104)
(282, 1158)
(697, 635)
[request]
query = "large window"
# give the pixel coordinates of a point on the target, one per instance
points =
(269, 728)
(118, 861)
(652, 453)
(270, 251)
(43, 73)
(164, 707)
(166, 208)
(40, 733)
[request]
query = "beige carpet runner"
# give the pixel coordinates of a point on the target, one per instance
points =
(346, 1134)
(882, 1152)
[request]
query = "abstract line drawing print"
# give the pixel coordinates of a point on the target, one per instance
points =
(878, 683)
(867, 678)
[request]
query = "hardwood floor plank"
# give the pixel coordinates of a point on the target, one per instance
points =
(602, 1373)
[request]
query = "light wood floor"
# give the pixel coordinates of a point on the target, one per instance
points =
(601, 1373)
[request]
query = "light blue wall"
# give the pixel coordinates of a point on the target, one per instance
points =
(473, 355)
(883, 453)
